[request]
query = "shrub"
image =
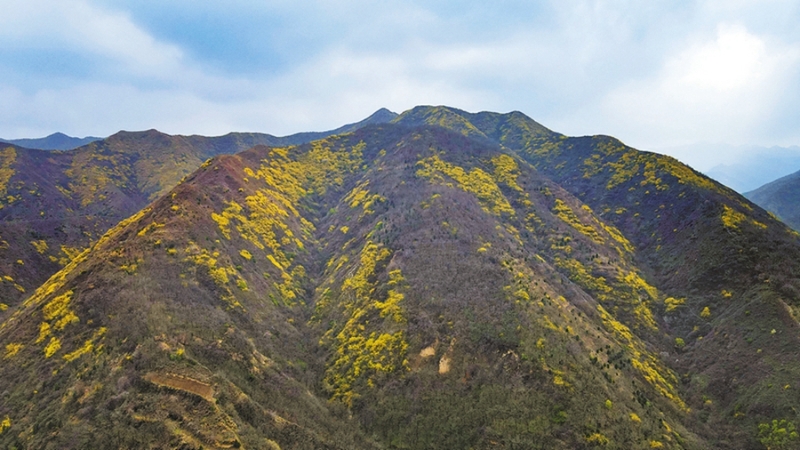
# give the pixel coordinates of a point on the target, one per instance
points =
(778, 435)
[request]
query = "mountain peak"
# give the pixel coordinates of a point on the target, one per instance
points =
(383, 114)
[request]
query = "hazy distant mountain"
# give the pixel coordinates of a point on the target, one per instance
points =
(757, 168)
(746, 167)
(781, 197)
(56, 141)
(447, 280)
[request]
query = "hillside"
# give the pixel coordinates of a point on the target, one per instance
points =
(450, 280)
(729, 266)
(55, 204)
(780, 197)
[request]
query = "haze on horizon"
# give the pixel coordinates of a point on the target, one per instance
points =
(658, 75)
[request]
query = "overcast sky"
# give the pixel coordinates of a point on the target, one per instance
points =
(653, 73)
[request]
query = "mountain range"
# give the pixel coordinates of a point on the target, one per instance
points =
(55, 204)
(55, 141)
(434, 279)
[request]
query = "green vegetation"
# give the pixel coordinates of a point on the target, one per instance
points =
(778, 435)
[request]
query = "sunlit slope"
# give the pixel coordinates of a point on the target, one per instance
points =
(729, 267)
(411, 285)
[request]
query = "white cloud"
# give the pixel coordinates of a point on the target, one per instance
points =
(719, 89)
(79, 27)
(735, 60)
(651, 73)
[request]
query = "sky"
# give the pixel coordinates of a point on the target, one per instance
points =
(659, 75)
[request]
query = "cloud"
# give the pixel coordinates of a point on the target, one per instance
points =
(654, 74)
(109, 38)
(722, 88)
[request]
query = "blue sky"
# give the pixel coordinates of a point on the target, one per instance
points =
(656, 74)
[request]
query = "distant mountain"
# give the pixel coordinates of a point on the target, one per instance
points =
(56, 141)
(747, 166)
(780, 197)
(447, 280)
(757, 168)
(380, 116)
(55, 204)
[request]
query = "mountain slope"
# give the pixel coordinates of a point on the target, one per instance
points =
(413, 278)
(780, 197)
(729, 267)
(54, 204)
(450, 280)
